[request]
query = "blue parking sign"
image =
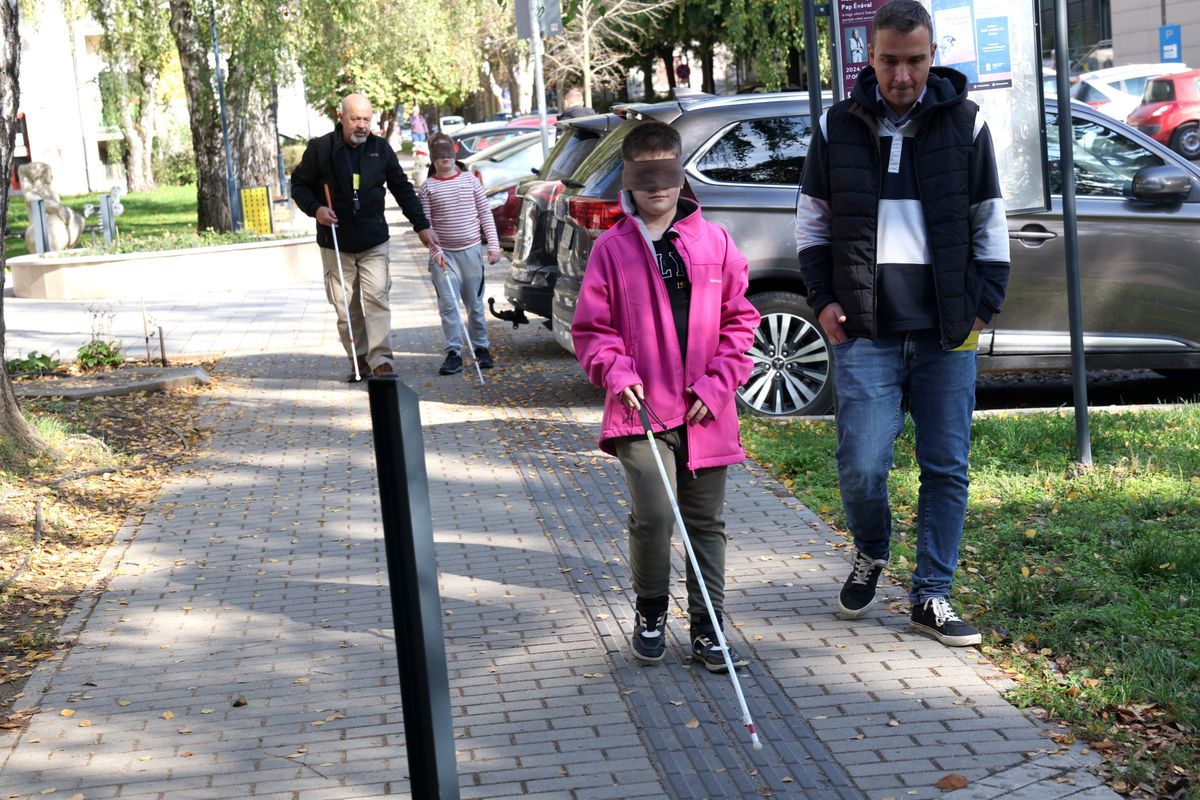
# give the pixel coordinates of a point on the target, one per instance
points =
(1170, 48)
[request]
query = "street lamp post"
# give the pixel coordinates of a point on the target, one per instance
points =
(235, 207)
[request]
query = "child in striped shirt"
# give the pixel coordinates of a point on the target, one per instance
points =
(456, 207)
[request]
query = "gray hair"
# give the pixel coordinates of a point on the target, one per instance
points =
(903, 16)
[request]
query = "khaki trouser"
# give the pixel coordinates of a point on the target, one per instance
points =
(368, 281)
(701, 500)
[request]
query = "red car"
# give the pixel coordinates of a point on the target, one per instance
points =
(1170, 112)
(532, 120)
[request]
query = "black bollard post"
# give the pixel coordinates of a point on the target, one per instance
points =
(412, 578)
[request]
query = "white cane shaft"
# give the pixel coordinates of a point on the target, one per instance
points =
(712, 614)
(457, 294)
(337, 254)
(471, 347)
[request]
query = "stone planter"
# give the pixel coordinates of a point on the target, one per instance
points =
(167, 273)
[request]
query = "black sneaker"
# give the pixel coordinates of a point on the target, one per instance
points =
(483, 357)
(649, 641)
(858, 592)
(452, 365)
(937, 619)
(707, 651)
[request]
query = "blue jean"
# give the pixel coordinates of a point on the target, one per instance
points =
(872, 378)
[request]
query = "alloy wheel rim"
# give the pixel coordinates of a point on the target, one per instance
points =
(791, 365)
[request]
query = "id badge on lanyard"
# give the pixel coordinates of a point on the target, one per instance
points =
(356, 182)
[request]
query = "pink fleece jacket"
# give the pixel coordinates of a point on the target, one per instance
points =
(624, 333)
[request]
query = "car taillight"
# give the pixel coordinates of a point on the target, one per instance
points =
(595, 215)
(546, 192)
(1097, 104)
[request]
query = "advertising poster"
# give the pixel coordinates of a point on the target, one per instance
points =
(995, 43)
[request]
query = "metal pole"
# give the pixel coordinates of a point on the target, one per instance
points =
(146, 330)
(1066, 155)
(535, 38)
(162, 347)
(412, 580)
(235, 207)
(813, 58)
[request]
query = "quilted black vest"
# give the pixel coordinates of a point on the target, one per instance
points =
(942, 145)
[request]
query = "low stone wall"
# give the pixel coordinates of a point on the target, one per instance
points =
(167, 273)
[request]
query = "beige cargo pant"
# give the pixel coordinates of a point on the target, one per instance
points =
(368, 282)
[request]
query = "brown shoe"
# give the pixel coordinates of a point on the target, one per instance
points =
(383, 370)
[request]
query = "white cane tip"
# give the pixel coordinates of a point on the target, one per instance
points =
(754, 742)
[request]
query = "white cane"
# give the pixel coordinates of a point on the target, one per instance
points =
(451, 277)
(342, 279)
(712, 614)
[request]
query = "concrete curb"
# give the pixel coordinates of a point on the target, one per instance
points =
(129, 381)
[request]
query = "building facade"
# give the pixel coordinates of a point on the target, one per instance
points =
(1135, 25)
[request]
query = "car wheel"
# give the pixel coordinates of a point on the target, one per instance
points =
(1186, 140)
(792, 360)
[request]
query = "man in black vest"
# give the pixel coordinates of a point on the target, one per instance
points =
(358, 168)
(903, 246)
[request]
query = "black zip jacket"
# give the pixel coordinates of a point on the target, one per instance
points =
(327, 161)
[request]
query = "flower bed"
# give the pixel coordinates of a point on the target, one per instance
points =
(166, 273)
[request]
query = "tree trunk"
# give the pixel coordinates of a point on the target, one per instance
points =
(648, 79)
(252, 135)
(135, 155)
(706, 64)
(212, 198)
(586, 66)
(16, 434)
(795, 62)
(147, 126)
(667, 54)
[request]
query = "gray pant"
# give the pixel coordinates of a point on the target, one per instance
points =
(461, 280)
(368, 283)
(701, 503)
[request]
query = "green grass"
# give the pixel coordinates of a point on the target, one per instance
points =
(1086, 583)
(168, 209)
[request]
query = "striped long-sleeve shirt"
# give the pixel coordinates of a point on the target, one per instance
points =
(456, 208)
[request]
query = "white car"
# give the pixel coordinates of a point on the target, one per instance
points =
(1117, 91)
(452, 122)
(508, 161)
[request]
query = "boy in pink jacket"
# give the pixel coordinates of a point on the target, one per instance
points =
(663, 321)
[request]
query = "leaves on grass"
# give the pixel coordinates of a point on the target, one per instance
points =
(136, 440)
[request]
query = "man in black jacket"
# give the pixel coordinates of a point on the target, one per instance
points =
(903, 248)
(358, 169)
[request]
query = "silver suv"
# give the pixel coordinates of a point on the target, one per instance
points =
(1139, 237)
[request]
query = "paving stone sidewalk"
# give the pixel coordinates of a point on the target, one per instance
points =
(240, 643)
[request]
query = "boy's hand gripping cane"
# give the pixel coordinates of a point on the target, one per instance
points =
(712, 614)
(456, 289)
(337, 254)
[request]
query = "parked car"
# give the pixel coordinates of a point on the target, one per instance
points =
(450, 123)
(1117, 91)
(1138, 207)
(532, 120)
(1170, 112)
(530, 284)
(516, 158)
(482, 135)
(505, 205)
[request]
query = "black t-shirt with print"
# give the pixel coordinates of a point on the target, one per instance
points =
(679, 287)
